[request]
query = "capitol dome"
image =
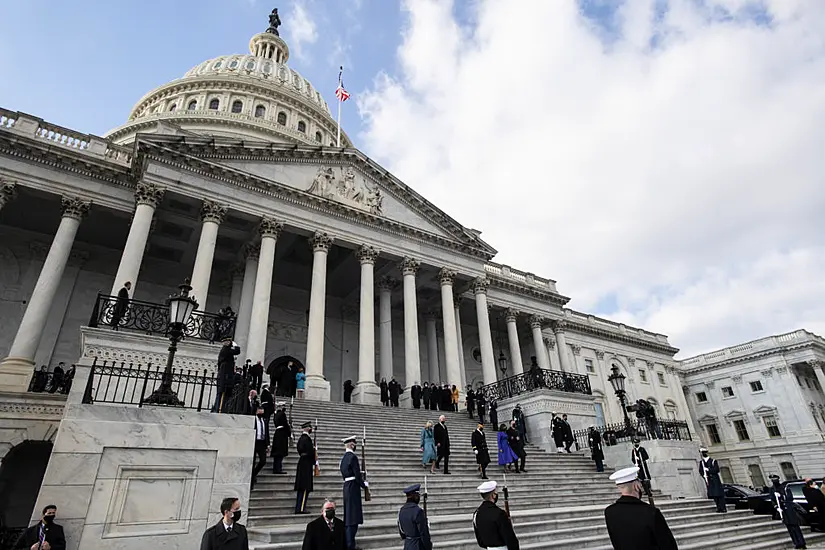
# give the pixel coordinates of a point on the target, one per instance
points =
(249, 96)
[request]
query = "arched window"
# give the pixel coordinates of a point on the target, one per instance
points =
(173, 107)
(282, 118)
(214, 104)
(260, 111)
(302, 127)
(237, 106)
(192, 105)
(318, 137)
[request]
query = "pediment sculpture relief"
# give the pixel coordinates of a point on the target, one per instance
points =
(348, 189)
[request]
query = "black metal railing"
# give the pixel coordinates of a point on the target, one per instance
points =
(9, 536)
(641, 428)
(151, 318)
(536, 379)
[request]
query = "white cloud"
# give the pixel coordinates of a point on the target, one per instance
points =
(302, 29)
(684, 180)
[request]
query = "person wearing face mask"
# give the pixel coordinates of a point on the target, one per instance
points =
(479, 443)
(227, 534)
(46, 535)
(442, 444)
(632, 523)
(325, 532)
(412, 523)
(492, 526)
(709, 470)
(640, 457)
(306, 469)
(261, 442)
(782, 499)
(353, 483)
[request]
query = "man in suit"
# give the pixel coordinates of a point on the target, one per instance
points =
(325, 532)
(568, 433)
(46, 535)
(280, 439)
(479, 443)
(442, 443)
(261, 440)
(517, 446)
(227, 534)
(633, 524)
(226, 373)
(709, 470)
(121, 304)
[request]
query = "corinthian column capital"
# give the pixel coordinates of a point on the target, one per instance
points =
(148, 193)
(446, 276)
(320, 241)
(510, 315)
(409, 266)
(480, 285)
(213, 212)
(270, 227)
(367, 254)
(74, 207)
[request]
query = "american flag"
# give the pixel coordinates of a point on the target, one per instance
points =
(340, 92)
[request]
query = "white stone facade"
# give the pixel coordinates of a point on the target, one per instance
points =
(760, 408)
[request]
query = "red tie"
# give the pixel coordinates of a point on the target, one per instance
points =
(330, 525)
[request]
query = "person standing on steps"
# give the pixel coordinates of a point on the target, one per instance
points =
(415, 395)
(412, 523)
(479, 443)
(353, 483)
(446, 398)
(326, 532)
(121, 304)
(568, 433)
(261, 442)
(494, 417)
(300, 382)
(471, 401)
(395, 390)
(442, 443)
(425, 395)
(428, 450)
(385, 392)
(521, 424)
(632, 523)
(640, 457)
(506, 456)
(454, 396)
(227, 534)
(517, 445)
(557, 431)
(783, 503)
(306, 469)
(280, 439)
(709, 470)
(492, 526)
(594, 441)
(481, 405)
(349, 387)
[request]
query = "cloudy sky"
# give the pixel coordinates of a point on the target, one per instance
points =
(663, 160)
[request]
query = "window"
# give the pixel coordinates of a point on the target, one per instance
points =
(727, 391)
(302, 126)
(757, 479)
(237, 106)
(770, 424)
(588, 365)
(260, 111)
(724, 473)
(192, 105)
(318, 137)
(661, 377)
(282, 118)
(713, 434)
(642, 375)
(701, 397)
(756, 386)
(741, 430)
(788, 470)
(173, 107)
(214, 104)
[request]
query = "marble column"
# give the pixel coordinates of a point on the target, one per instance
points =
(269, 230)
(550, 350)
(485, 337)
(462, 367)
(516, 366)
(147, 199)
(250, 273)
(316, 386)
(430, 319)
(236, 287)
(8, 191)
(16, 369)
(538, 342)
(412, 357)
(818, 365)
(212, 215)
(366, 390)
(561, 346)
(446, 277)
(385, 287)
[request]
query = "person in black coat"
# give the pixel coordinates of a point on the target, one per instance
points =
(491, 525)
(481, 406)
(479, 443)
(256, 374)
(349, 387)
(227, 534)
(267, 402)
(435, 397)
(817, 500)
(446, 397)
(633, 524)
(325, 532)
(442, 443)
(594, 441)
(280, 440)
(413, 526)
(494, 417)
(471, 401)
(709, 470)
(385, 392)
(261, 441)
(415, 395)
(226, 373)
(568, 433)
(52, 532)
(425, 395)
(782, 499)
(306, 469)
(121, 304)
(557, 431)
(639, 457)
(395, 390)
(517, 446)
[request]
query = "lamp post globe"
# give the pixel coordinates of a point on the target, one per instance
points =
(617, 380)
(502, 363)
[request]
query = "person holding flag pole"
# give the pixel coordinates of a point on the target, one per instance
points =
(342, 94)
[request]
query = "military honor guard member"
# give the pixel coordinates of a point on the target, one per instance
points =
(306, 469)
(783, 503)
(353, 483)
(325, 532)
(632, 523)
(412, 523)
(709, 470)
(492, 526)
(479, 442)
(640, 457)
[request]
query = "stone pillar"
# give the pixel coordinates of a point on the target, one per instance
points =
(412, 357)
(385, 370)
(259, 312)
(432, 346)
(316, 385)
(212, 215)
(446, 277)
(16, 369)
(561, 346)
(250, 273)
(147, 198)
(485, 337)
(538, 342)
(550, 350)
(366, 390)
(818, 365)
(462, 367)
(516, 367)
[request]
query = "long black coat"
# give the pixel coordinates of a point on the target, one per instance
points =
(636, 525)
(783, 500)
(226, 363)
(442, 439)
(594, 441)
(280, 437)
(557, 430)
(493, 528)
(385, 394)
(319, 537)
(715, 488)
(413, 528)
(425, 395)
(415, 395)
(471, 401)
(353, 511)
(639, 458)
(479, 442)
(54, 536)
(217, 538)
(516, 444)
(306, 463)
(395, 390)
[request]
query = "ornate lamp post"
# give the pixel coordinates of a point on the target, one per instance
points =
(616, 380)
(181, 307)
(502, 364)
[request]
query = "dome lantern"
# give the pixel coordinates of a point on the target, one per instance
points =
(269, 46)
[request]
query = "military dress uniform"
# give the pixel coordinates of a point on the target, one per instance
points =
(479, 442)
(412, 523)
(353, 483)
(306, 470)
(634, 524)
(492, 526)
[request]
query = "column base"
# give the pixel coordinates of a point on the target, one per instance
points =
(16, 374)
(405, 399)
(316, 388)
(366, 393)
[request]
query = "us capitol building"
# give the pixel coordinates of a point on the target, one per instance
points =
(229, 176)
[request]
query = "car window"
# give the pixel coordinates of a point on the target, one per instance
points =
(743, 491)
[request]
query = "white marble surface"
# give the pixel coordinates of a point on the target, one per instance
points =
(538, 407)
(673, 465)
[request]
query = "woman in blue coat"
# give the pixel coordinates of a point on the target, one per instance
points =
(428, 450)
(506, 456)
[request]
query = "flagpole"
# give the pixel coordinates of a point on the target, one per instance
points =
(340, 80)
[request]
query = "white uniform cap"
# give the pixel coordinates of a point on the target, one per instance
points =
(625, 475)
(703, 450)
(487, 487)
(348, 439)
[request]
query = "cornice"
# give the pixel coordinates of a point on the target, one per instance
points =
(781, 350)
(527, 290)
(575, 326)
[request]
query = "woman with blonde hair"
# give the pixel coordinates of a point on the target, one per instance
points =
(454, 398)
(428, 446)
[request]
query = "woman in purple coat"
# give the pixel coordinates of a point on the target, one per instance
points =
(506, 456)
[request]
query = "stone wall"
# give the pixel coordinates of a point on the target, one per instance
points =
(538, 407)
(673, 465)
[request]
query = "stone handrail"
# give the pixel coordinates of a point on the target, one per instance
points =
(7, 118)
(613, 326)
(524, 277)
(755, 346)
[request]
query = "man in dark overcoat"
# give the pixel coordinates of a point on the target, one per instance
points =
(46, 530)
(325, 532)
(633, 524)
(415, 395)
(227, 534)
(425, 395)
(121, 304)
(594, 441)
(385, 392)
(568, 433)
(442, 443)
(280, 439)
(517, 446)
(471, 401)
(479, 443)
(521, 424)
(395, 390)
(226, 373)
(306, 469)
(412, 522)
(709, 470)
(491, 525)
(353, 483)
(639, 457)
(557, 431)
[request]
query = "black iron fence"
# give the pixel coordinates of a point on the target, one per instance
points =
(151, 318)
(641, 428)
(536, 379)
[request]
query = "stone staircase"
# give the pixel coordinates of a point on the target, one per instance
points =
(557, 503)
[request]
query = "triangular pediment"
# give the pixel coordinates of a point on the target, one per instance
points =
(763, 410)
(735, 414)
(707, 419)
